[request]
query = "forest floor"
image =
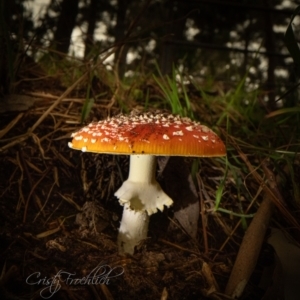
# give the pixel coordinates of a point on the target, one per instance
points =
(59, 218)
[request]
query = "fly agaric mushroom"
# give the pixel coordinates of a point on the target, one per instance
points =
(144, 136)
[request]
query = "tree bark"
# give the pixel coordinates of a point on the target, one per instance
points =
(270, 46)
(65, 25)
(167, 48)
(121, 52)
(92, 20)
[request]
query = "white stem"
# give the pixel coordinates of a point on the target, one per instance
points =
(133, 230)
(142, 168)
(141, 196)
(141, 191)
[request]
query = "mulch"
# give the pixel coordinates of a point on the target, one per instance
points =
(59, 218)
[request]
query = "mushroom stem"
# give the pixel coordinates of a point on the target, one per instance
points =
(133, 229)
(142, 168)
(141, 196)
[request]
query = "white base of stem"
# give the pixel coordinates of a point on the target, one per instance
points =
(133, 230)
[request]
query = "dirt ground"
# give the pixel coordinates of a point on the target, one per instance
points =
(59, 218)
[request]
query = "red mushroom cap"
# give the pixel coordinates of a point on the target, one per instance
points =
(149, 133)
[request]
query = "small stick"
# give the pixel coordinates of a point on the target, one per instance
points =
(203, 216)
(253, 239)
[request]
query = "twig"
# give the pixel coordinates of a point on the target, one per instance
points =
(270, 191)
(178, 247)
(31, 192)
(203, 216)
(251, 245)
(239, 222)
(11, 124)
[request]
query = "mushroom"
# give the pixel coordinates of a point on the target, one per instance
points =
(144, 136)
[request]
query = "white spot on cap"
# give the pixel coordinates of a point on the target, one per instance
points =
(83, 149)
(78, 137)
(145, 140)
(189, 128)
(205, 137)
(105, 139)
(93, 141)
(85, 140)
(178, 133)
(70, 145)
(196, 136)
(165, 137)
(205, 129)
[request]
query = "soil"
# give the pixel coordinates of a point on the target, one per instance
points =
(59, 218)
